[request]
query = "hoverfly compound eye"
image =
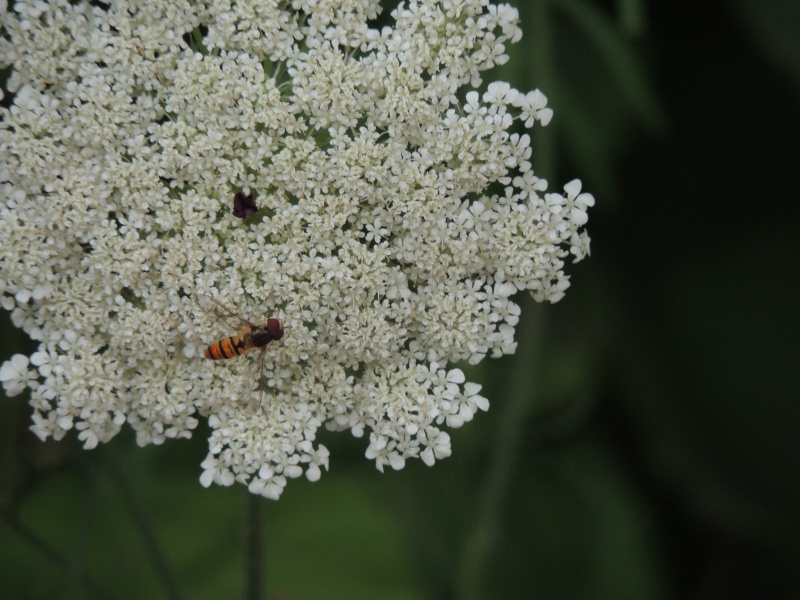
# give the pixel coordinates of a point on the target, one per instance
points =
(275, 329)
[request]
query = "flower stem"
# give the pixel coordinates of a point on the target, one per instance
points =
(254, 559)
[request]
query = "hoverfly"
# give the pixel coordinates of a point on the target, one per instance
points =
(251, 336)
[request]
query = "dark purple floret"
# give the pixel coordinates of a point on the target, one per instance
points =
(243, 206)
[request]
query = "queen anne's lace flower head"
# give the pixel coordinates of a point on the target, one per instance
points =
(385, 212)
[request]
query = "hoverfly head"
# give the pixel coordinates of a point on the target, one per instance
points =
(275, 328)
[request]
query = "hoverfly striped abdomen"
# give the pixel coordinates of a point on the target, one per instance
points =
(227, 348)
(249, 338)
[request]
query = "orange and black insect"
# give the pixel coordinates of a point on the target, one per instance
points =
(251, 336)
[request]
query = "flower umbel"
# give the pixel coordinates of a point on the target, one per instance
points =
(397, 215)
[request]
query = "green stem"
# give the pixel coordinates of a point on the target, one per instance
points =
(254, 559)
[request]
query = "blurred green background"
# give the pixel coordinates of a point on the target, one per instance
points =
(642, 443)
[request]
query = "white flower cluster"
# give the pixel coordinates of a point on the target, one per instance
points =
(395, 215)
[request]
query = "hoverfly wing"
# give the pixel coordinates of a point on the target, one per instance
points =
(251, 387)
(222, 313)
(257, 384)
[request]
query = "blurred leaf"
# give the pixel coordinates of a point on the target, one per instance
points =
(774, 27)
(620, 58)
(577, 527)
(597, 82)
(632, 17)
(343, 535)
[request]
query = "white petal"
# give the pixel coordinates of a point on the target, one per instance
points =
(207, 477)
(313, 472)
(396, 461)
(573, 188)
(456, 376)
